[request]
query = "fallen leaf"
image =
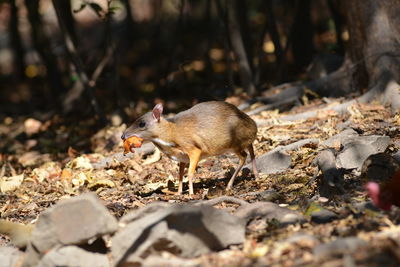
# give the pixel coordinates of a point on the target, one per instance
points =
(50, 171)
(101, 183)
(40, 174)
(32, 126)
(79, 179)
(314, 207)
(32, 158)
(72, 153)
(66, 175)
(8, 184)
(151, 187)
(81, 162)
(153, 158)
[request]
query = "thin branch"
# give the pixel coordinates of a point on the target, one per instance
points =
(215, 201)
(77, 62)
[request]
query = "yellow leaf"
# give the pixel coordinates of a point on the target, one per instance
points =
(101, 183)
(10, 183)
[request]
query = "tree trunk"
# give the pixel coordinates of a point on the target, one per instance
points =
(373, 53)
(302, 45)
(16, 41)
(42, 45)
(372, 61)
(377, 37)
(68, 19)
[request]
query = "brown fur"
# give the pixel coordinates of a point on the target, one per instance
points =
(207, 129)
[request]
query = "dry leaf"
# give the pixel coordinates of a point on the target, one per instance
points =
(40, 174)
(66, 175)
(32, 126)
(101, 183)
(72, 153)
(151, 187)
(79, 179)
(8, 184)
(153, 158)
(32, 158)
(81, 162)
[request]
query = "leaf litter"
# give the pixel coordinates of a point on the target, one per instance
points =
(51, 160)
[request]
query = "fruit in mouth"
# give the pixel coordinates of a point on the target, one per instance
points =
(132, 142)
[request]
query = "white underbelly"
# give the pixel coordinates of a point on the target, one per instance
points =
(174, 153)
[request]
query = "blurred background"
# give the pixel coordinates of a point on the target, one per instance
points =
(104, 57)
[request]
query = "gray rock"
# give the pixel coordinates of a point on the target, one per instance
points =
(356, 149)
(323, 216)
(9, 256)
(157, 261)
(332, 176)
(73, 256)
(365, 205)
(338, 247)
(183, 230)
(396, 156)
(344, 137)
(269, 210)
(277, 160)
(32, 256)
(73, 221)
(303, 239)
(356, 152)
(272, 162)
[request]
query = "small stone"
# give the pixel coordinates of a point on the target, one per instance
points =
(9, 256)
(183, 230)
(344, 137)
(302, 239)
(356, 152)
(323, 216)
(339, 246)
(72, 256)
(272, 162)
(73, 221)
(269, 210)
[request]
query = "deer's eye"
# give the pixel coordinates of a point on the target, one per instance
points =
(142, 124)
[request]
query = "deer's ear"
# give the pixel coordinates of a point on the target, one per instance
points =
(157, 111)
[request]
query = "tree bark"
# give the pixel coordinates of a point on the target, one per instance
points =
(374, 28)
(372, 62)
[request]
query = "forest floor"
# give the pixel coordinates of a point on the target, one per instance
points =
(48, 160)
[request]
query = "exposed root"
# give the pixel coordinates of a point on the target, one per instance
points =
(387, 90)
(295, 145)
(341, 108)
(280, 105)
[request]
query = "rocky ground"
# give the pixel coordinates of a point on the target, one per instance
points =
(308, 207)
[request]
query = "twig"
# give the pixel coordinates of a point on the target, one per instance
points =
(215, 201)
(282, 103)
(297, 144)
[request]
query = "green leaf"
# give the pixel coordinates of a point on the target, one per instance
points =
(314, 207)
(112, 9)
